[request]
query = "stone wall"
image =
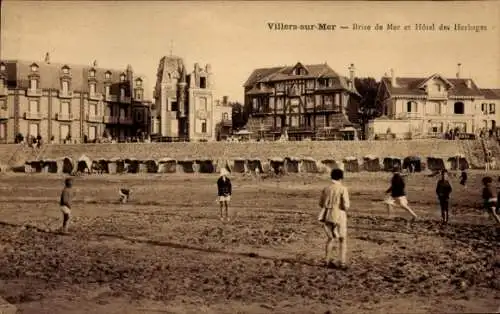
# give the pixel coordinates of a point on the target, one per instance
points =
(264, 150)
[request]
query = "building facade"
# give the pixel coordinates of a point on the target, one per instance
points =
(302, 101)
(223, 118)
(67, 103)
(431, 107)
(184, 105)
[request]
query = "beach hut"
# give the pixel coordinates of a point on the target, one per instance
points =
(167, 165)
(240, 165)
(458, 162)
(390, 162)
(84, 164)
(371, 163)
(148, 166)
(435, 163)
(253, 164)
(31, 166)
(308, 164)
(132, 165)
(351, 164)
(413, 164)
(277, 165)
(205, 165)
(330, 164)
(115, 165)
(186, 166)
(49, 166)
(292, 164)
(222, 164)
(65, 165)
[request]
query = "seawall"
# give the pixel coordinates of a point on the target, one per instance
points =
(336, 150)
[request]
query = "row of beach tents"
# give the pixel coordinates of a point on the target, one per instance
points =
(241, 165)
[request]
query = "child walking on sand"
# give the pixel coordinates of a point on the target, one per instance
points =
(65, 203)
(490, 198)
(463, 178)
(443, 191)
(334, 204)
(224, 189)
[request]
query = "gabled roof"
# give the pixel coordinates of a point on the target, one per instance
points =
(285, 73)
(433, 76)
(412, 86)
(491, 93)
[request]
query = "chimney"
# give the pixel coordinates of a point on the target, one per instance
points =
(94, 64)
(352, 72)
(47, 58)
(459, 67)
(224, 100)
(393, 78)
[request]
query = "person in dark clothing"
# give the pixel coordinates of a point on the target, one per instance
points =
(397, 194)
(65, 203)
(224, 189)
(443, 191)
(463, 178)
(490, 198)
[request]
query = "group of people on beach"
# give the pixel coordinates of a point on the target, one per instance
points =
(335, 203)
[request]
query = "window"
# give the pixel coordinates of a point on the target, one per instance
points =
(492, 108)
(33, 129)
(138, 82)
(65, 107)
(92, 89)
(174, 106)
(203, 104)
(122, 113)
(225, 116)
(92, 73)
(203, 126)
(411, 106)
(294, 121)
(255, 104)
(33, 106)
(122, 92)
(438, 87)
(33, 84)
(3, 104)
(122, 77)
(310, 84)
(92, 132)
(3, 131)
(92, 110)
(107, 75)
(65, 87)
(64, 131)
(203, 82)
(65, 70)
(484, 108)
(138, 94)
(280, 87)
(34, 67)
(2, 67)
(458, 108)
(107, 90)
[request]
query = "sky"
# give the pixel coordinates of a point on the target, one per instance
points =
(234, 37)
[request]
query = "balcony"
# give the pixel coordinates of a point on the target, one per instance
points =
(126, 120)
(34, 92)
(437, 96)
(33, 116)
(4, 114)
(125, 99)
(64, 117)
(110, 97)
(65, 94)
(110, 119)
(94, 118)
(409, 115)
(95, 96)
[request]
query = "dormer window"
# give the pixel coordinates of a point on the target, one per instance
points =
(107, 75)
(2, 67)
(65, 70)
(122, 77)
(92, 73)
(34, 67)
(138, 82)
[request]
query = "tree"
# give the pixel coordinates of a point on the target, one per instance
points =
(368, 108)
(239, 116)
